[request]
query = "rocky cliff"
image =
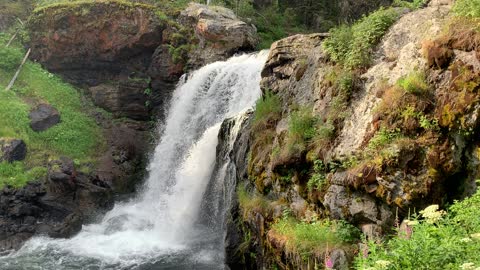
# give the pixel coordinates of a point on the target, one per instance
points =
(366, 145)
(117, 50)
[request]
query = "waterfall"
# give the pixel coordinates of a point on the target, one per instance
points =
(163, 225)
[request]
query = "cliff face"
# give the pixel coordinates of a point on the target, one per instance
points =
(117, 49)
(385, 140)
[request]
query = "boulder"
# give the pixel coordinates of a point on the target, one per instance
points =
(219, 31)
(43, 117)
(12, 150)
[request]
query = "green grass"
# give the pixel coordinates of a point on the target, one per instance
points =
(306, 239)
(414, 83)
(267, 106)
(452, 242)
(250, 203)
(467, 8)
(77, 136)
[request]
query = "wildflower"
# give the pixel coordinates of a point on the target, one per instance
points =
(328, 263)
(432, 214)
(467, 266)
(383, 264)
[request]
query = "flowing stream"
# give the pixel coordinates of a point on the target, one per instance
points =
(160, 228)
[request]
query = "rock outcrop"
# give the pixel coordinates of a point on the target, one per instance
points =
(12, 150)
(219, 31)
(57, 208)
(130, 56)
(426, 158)
(43, 117)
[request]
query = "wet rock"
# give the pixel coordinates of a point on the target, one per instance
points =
(43, 117)
(12, 150)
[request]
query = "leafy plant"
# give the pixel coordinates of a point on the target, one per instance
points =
(318, 178)
(382, 138)
(436, 242)
(352, 46)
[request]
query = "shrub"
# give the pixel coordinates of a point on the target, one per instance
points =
(301, 124)
(467, 8)
(352, 46)
(449, 242)
(318, 178)
(267, 106)
(414, 83)
(382, 138)
(10, 58)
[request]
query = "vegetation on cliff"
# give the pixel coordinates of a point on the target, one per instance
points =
(432, 240)
(78, 136)
(419, 146)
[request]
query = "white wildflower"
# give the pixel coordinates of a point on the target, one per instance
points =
(467, 266)
(465, 240)
(432, 214)
(475, 236)
(383, 264)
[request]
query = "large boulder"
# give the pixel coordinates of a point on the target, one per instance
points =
(219, 31)
(43, 117)
(12, 150)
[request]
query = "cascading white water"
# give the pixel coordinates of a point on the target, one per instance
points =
(159, 224)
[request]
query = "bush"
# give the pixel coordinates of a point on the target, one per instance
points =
(414, 83)
(301, 124)
(352, 46)
(318, 179)
(449, 242)
(267, 106)
(10, 58)
(382, 138)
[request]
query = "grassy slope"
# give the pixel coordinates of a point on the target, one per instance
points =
(77, 136)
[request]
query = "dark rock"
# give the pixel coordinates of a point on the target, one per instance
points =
(340, 259)
(43, 117)
(57, 208)
(12, 150)
(124, 99)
